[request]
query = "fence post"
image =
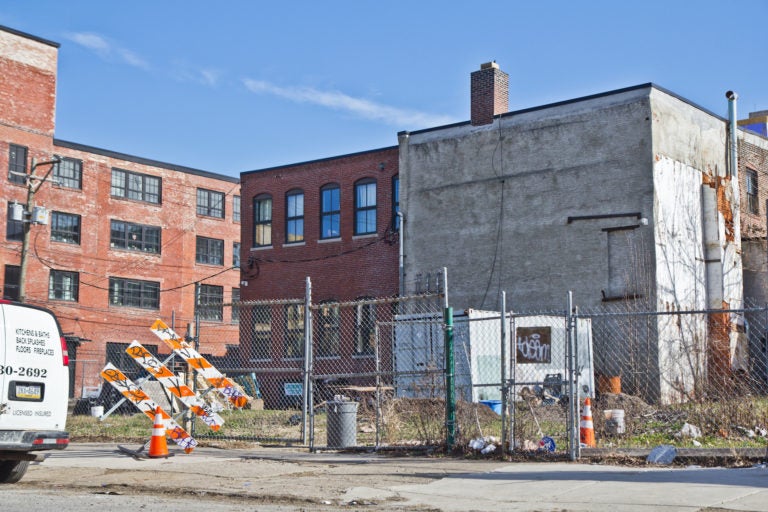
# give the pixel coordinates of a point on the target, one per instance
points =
(450, 390)
(307, 384)
(504, 386)
(573, 388)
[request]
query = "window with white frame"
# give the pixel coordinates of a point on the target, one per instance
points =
(294, 217)
(365, 207)
(262, 220)
(330, 211)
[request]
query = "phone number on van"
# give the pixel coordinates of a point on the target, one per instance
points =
(23, 371)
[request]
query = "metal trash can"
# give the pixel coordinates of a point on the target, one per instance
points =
(341, 423)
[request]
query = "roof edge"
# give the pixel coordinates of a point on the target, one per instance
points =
(29, 36)
(142, 160)
(648, 85)
(326, 159)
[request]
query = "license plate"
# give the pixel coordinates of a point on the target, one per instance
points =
(11, 436)
(28, 392)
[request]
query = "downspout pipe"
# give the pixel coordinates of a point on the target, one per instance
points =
(733, 163)
(401, 262)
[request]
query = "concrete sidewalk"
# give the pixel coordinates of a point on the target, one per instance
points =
(330, 480)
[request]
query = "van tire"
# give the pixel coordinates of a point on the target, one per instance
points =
(11, 471)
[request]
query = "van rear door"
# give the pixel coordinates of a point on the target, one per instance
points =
(33, 371)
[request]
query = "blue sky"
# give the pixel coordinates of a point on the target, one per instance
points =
(239, 85)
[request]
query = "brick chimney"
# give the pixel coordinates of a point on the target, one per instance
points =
(490, 93)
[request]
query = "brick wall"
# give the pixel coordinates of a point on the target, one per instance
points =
(340, 269)
(27, 101)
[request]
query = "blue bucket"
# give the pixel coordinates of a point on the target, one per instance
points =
(495, 405)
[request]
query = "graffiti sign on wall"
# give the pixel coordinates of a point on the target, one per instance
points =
(534, 345)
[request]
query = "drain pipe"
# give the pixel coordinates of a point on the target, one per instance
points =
(733, 167)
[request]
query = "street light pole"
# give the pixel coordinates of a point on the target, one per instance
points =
(32, 189)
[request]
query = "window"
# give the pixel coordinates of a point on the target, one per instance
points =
(365, 324)
(210, 302)
(235, 305)
(17, 164)
(209, 251)
(210, 203)
(134, 293)
(12, 282)
(294, 217)
(328, 336)
(134, 237)
(236, 254)
(395, 203)
(14, 229)
(261, 319)
(262, 221)
(65, 227)
(63, 285)
(294, 330)
(236, 209)
(330, 211)
(753, 206)
(131, 185)
(69, 173)
(365, 207)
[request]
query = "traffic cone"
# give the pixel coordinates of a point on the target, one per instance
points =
(158, 446)
(586, 427)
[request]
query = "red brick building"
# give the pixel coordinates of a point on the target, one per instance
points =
(335, 221)
(127, 239)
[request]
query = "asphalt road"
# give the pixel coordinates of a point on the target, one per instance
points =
(86, 476)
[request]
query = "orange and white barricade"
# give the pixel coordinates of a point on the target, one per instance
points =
(174, 385)
(213, 376)
(145, 404)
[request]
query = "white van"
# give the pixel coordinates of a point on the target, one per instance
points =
(34, 387)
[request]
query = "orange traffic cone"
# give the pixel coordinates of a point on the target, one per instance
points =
(586, 427)
(158, 447)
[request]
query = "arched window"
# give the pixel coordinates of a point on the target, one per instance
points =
(365, 206)
(330, 211)
(294, 216)
(262, 220)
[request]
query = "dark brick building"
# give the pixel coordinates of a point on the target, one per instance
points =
(332, 220)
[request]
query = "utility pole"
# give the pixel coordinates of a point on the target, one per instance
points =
(27, 218)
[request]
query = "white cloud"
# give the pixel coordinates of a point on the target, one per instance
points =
(92, 42)
(340, 101)
(210, 76)
(104, 49)
(133, 59)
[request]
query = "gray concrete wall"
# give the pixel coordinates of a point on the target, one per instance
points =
(531, 171)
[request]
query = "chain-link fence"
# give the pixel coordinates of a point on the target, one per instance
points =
(693, 378)
(374, 373)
